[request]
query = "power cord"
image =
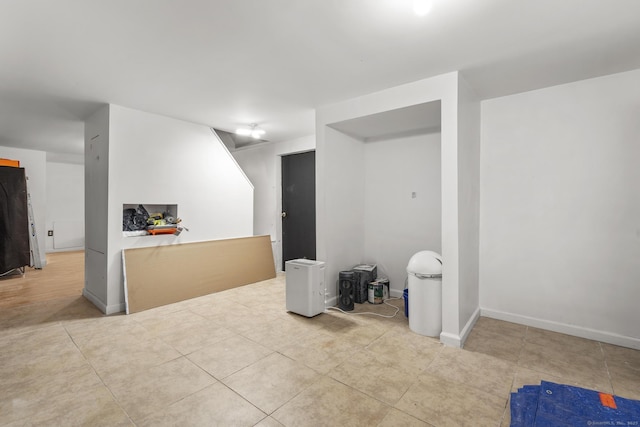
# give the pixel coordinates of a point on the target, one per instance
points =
(369, 312)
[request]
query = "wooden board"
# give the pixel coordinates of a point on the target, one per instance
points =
(160, 275)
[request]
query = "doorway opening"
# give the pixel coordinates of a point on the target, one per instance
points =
(298, 206)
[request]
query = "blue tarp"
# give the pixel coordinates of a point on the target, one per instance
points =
(551, 404)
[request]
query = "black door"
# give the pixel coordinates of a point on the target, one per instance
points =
(298, 206)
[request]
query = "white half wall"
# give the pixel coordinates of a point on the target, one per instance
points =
(560, 208)
(159, 160)
(397, 224)
(65, 206)
(34, 163)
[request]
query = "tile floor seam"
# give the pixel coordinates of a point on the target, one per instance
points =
(202, 369)
(171, 402)
(522, 345)
(434, 358)
(97, 374)
(403, 394)
(104, 384)
(242, 334)
(520, 353)
(363, 392)
(289, 400)
(472, 386)
(191, 394)
(120, 406)
(606, 364)
(508, 401)
(390, 408)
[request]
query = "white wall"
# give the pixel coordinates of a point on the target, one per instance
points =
(96, 187)
(469, 136)
(396, 224)
(159, 160)
(259, 165)
(262, 164)
(560, 208)
(342, 196)
(65, 198)
(35, 165)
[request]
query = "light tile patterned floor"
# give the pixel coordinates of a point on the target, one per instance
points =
(237, 358)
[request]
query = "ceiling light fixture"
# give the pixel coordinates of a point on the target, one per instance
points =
(253, 131)
(422, 7)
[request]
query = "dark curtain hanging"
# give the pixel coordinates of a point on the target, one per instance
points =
(14, 220)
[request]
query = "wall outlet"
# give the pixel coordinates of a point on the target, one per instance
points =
(50, 233)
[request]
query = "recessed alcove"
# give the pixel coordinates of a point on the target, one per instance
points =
(168, 212)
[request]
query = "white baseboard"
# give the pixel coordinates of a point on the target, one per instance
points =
(115, 308)
(74, 249)
(95, 300)
(563, 328)
(450, 340)
(106, 309)
(457, 341)
(469, 326)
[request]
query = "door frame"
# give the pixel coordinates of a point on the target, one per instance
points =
(278, 218)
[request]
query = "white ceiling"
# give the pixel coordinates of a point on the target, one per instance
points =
(225, 63)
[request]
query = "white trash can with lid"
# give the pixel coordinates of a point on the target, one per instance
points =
(425, 293)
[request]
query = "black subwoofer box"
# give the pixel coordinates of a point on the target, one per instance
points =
(346, 287)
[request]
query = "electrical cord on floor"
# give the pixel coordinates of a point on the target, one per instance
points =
(369, 312)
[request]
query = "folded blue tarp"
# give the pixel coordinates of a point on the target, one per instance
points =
(551, 404)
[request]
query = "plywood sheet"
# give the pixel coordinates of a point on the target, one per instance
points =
(160, 275)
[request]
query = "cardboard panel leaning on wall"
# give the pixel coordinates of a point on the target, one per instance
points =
(155, 276)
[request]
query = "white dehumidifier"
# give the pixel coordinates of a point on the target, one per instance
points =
(305, 287)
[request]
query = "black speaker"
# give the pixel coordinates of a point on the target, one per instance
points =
(363, 275)
(346, 286)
